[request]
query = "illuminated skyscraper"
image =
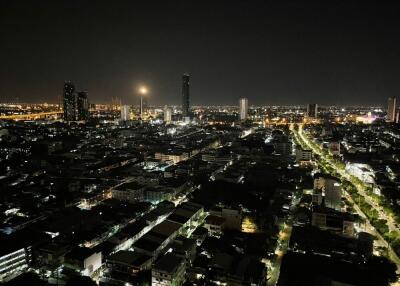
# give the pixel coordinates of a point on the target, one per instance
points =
(391, 110)
(69, 102)
(125, 113)
(312, 110)
(243, 108)
(82, 106)
(167, 115)
(185, 95)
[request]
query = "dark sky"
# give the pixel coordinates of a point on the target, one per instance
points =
(273, 52)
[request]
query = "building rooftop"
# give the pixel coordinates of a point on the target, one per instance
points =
(215, 220)
(146, 244)
(169, 263)
(166, 228)
(129, 258)
(80, 253)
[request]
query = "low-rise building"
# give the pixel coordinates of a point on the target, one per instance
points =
(303, 155)
(215, 225)
(131, 192)
(157, 239)
(329, 219)
(233, 217)
(16, 252)
(84, 260)
(169, 270)
(331, 188)
(126, 262)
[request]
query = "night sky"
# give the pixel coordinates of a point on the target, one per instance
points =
(273, 52)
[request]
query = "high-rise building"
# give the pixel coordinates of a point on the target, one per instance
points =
(243, 108)
(391, 110)
(82, 106)
(145, 104)
(125, 113)
(75, 104)
(167, 115)
(312, 110)
(185, 95)
(69, 102)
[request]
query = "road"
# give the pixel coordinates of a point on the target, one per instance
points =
(282, 246)
(283, 242)
(361, 190)
(30, 116)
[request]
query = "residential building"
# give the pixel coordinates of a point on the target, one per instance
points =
(69, 102)
(169, 270)
(125, 113)
(84, 260)
(186, 95)
(167, 115)
(391, 110)
(243, 108)
(312, 110)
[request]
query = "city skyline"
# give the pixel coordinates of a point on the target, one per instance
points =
(199, 143)
(272, 53)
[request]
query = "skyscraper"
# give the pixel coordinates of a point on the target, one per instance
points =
(312, 110)
(82, 106)
(75, 104)
(391, 110)
(185, 95)
(69, 102)
(125, 113)
(243, 108)
(167, 115)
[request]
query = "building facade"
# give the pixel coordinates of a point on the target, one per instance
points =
(243, 108)
(82, 106)
(14, 262)
(391, 110)
(312, 110)
(185, 95)
(168, 271)
(75, 104)
(167, 115)
(125, 113)
(69, 102)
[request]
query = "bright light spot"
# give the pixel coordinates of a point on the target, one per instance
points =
(143, 90)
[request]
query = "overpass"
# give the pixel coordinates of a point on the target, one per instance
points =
(31, 116)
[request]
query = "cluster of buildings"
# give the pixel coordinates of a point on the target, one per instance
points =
(186, 112)
(113, 202)
(174, 201)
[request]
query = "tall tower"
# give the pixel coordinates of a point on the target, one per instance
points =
(167, 115)
(312, 110)
(185, 95)
(82, 105)
(243, 108)
(391, 110)
(125, 113)
(69, 102)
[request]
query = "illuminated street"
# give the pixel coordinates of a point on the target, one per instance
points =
(360, 188)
